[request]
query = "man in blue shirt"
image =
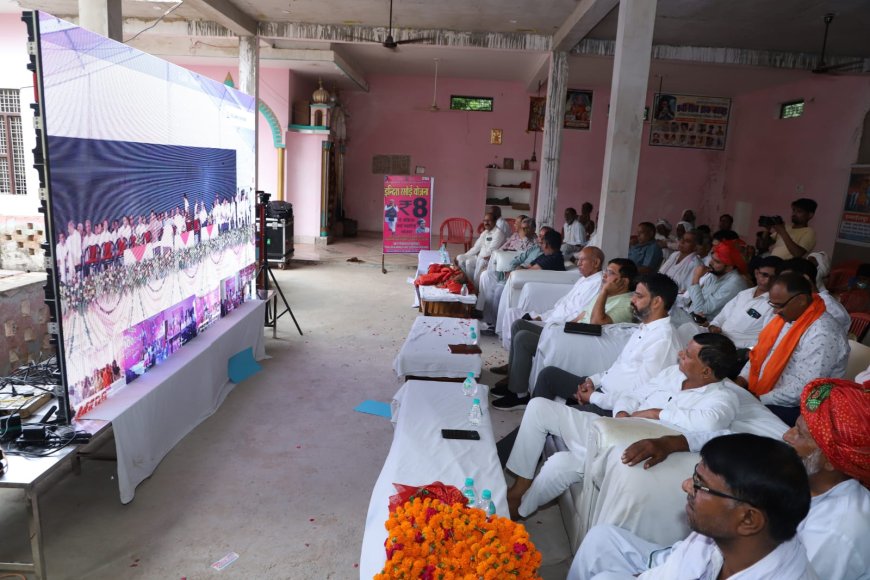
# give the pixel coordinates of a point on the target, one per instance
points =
(646, 253)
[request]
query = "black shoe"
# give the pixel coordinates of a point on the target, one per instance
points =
(502, 370)
(499, 390)
(511, 402)
(501, 383)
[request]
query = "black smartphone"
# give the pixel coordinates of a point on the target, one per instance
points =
(583, 328)
(460, 434)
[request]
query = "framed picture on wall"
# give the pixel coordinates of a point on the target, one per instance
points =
(689, 121)
(578, 109)
(537, 105)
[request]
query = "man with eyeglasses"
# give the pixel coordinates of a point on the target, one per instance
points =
(801, 342)
(810, 271)
(743, 509)
(831, 438)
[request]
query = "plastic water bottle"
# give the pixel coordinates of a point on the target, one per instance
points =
(464, 290)
(472, 337)
(468, 492)
(485, 503)
(469, 386)
(476, 412)
(445, 259)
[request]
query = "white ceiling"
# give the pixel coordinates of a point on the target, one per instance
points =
(772, 25)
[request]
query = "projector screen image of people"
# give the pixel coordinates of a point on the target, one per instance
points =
(150, 174)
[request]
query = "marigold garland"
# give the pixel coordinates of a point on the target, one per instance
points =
(430, 540)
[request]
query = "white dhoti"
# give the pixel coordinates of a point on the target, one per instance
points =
(544, 417)
(579, 354)
(467, 264)
(486, 287)
(608, 548)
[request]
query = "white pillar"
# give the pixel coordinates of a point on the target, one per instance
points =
(102, 17)
(551, 145)
(631, 63)
(249, 76)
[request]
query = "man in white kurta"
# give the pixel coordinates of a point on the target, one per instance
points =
(680, 265)
(835, 532)
(489, 240)
(566, 308)
(689, 396)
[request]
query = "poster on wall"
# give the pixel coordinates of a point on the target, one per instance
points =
(855, 221)
(407, 213)
(578, 109)
(150, 189)
(689, 121)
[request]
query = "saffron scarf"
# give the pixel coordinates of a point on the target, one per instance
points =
(761, 385)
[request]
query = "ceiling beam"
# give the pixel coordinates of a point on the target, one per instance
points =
(226, 14)
(581, 21)
(346, 65)
(443, 38)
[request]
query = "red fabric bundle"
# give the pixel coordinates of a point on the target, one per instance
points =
(445, 493)
(442, 276)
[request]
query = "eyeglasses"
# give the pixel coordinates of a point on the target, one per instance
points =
(776, 306)
(698, 487)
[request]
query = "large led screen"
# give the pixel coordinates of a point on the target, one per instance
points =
(150, 184)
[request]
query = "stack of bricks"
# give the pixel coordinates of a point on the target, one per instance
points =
(24, 315)
(20, 240)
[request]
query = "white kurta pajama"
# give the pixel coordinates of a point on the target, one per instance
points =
(681, 271)
(486, 243)
(566, 308)
(706, 408)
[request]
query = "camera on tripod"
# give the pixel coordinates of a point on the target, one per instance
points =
(767, 221)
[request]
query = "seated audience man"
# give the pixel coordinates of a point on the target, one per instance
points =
(527, 250)
(651, 347)
(490, 239)
(611, 305)
(585, 218)
(744, 509)
(704, 300)
(499, 221)
(518, 240)
(646, 253)
(681, 264)
(809, 271)
(743, 317)
(793, 241)
(688, 217)
(689, 396)
(525, 333)
(800, 343)
(726, 222)
(573, 233)
(567, 307)
(829, 439)
(550, 258)
(663, 236)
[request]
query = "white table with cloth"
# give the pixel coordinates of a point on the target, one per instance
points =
(426, 351)
(425, 258)
(153, 414)
(420, 456)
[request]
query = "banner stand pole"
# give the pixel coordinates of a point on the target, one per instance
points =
(383, 268)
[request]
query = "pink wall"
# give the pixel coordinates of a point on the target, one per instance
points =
(773, 161)
(393, 118)
(303, 183)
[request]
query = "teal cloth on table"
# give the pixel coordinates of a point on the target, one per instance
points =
(242, 365)
(374, 408)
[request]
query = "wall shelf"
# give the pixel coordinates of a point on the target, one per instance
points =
(502, 183)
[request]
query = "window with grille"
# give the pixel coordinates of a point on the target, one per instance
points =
(11, 144)
(791, 109)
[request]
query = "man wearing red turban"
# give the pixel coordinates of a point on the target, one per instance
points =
(708, 294)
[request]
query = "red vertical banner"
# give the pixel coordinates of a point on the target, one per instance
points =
(407, 213)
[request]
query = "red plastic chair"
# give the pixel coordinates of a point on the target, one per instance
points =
(458, 231)
(838, 278)
(860, 323)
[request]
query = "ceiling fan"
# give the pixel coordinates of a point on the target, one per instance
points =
(392, 44)
(822, 67)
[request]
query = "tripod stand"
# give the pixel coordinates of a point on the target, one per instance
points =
(264, 274)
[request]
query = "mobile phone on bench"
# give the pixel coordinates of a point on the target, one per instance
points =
(465, 434)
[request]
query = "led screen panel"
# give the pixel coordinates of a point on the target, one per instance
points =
(150, 175)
